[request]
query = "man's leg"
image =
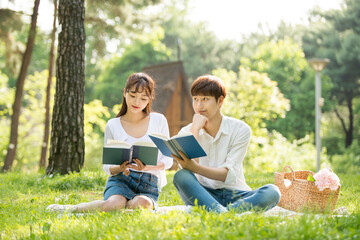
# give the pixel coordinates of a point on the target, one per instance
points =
(190, 190)
(261, 199)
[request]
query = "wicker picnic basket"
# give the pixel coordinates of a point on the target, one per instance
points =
(302, 195)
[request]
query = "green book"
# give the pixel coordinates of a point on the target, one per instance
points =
(116, 152)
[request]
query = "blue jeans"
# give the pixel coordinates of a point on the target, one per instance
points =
(137, 183)
(223, 200)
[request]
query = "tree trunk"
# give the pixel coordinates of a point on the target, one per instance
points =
(45, 143)
(11, 151)
(349, 134)
(348, 131)
(67, 133)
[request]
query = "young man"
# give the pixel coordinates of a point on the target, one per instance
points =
(217, 181)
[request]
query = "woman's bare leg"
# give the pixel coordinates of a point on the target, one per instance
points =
(140, 202)
(115, 202)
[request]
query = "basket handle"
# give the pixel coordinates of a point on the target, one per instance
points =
(292, 171)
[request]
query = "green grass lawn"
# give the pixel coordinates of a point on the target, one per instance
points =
(24, 197)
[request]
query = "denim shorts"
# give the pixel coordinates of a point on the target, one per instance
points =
(136, 184)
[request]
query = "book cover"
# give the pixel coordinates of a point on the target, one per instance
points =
(185, 143)
(148, 155)
(117, 152)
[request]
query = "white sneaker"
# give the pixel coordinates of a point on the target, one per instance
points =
(59, 208)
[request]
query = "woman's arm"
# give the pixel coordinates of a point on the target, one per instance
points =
(141, 167)
(116, 169)
(113, 169)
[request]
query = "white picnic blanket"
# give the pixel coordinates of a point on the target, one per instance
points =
(276, 211)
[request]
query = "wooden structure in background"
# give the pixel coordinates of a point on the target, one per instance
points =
(173, 97)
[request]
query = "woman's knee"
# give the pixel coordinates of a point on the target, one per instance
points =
(140, 202)
(183, 177)
(114, 203)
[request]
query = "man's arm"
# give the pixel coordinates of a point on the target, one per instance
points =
(209, 172)
(199, 121)
(228, 171)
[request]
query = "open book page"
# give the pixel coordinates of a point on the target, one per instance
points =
(181, 135)
(162, 136)
(159, 135)
(146, 144)
(112, 143)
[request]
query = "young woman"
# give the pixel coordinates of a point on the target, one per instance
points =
(131, 186)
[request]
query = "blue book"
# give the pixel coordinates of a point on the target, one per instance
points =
(184, 143)
(116, 152)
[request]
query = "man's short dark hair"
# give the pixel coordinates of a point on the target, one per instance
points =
(208, 85)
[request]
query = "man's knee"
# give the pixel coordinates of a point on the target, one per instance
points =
(182, 177)
(273, 194)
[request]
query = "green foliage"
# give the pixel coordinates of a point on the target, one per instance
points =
(285, 31)
(252, 97)
(335, 35)
(332, 132)
(96, 116)
(6, 98)
(256, 99)
(40, 54)
(110, 25)
(11, 48)
(32, 123)
(31, 120)
(111, 20)
(141, 53)
(78, 181)
(272, 153)
(24, 197)
(284, 62)
(201, 50)
(349, 160)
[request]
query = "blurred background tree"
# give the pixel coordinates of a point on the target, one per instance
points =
(271, 85)
(284, 62)
(20, 81)
(148, 50)
(336, 35)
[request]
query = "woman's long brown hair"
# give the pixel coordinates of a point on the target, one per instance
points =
(143, 82)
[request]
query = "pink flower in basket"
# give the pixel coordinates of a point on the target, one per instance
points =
(325, 178)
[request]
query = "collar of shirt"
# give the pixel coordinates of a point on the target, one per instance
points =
(224, 128)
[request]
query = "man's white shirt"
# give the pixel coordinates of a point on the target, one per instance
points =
(227, 149)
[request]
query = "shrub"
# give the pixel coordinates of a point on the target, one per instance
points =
(272, 153)
(349, 161)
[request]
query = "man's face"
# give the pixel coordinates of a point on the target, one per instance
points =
(207, 105)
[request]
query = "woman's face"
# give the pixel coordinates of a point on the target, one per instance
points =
(136, 100)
